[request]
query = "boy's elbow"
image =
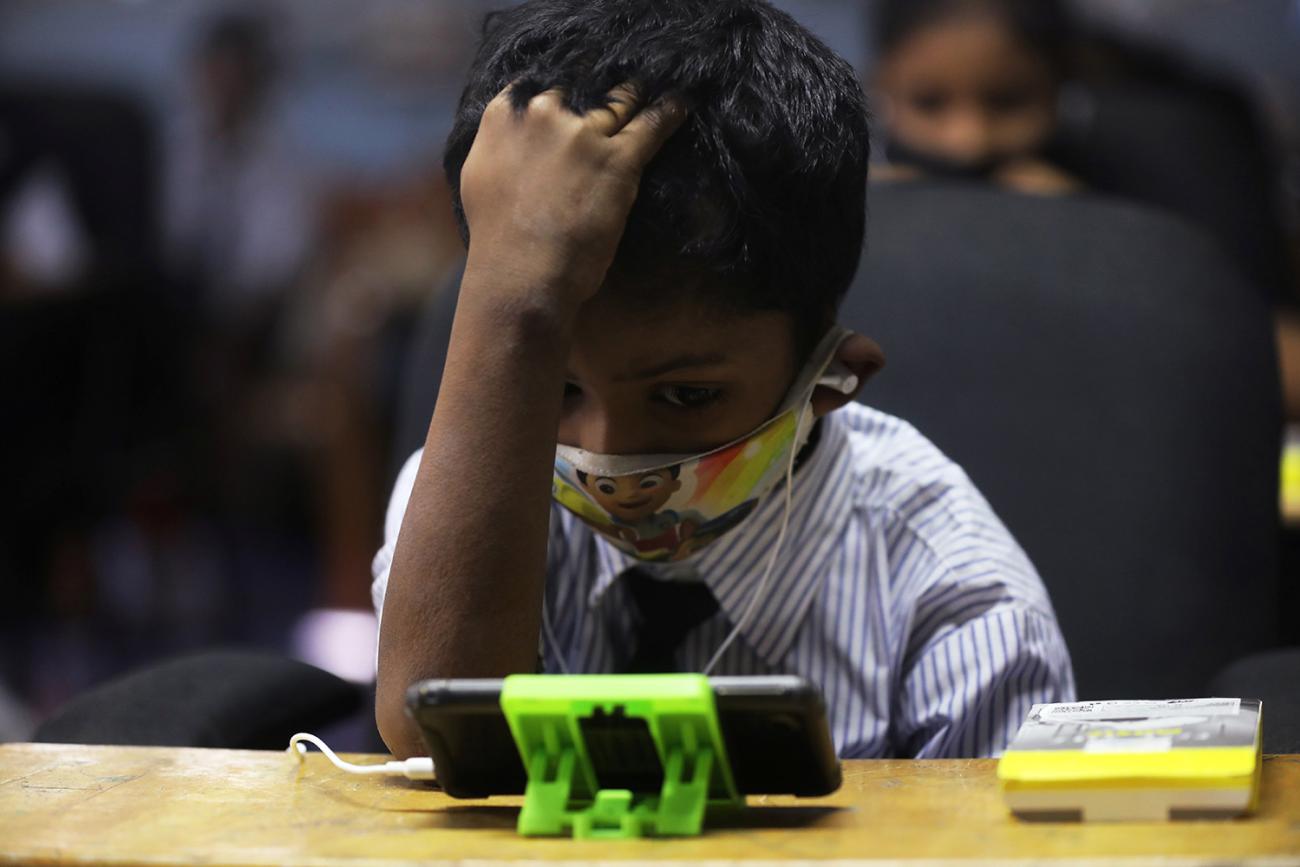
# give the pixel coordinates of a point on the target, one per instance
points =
(395, 727)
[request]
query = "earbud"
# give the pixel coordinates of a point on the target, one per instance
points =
(839, 377)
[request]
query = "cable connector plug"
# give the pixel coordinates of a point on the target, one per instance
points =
(415, 768)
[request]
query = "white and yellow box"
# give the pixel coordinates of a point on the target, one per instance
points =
(1135, 760)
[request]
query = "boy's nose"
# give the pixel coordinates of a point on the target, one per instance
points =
(602, 433)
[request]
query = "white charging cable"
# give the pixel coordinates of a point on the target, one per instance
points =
(761, 590)
(416, 768)
(550, 636)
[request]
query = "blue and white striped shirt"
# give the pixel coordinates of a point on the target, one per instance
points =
(897, 591)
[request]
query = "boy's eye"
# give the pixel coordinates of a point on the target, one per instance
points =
(606, 487)
(650, 482)
(689, 396)
(571, 390)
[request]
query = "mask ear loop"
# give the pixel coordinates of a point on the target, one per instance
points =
(761, 589)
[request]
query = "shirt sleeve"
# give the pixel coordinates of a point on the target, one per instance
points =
(383, 561)
(967, 692)
(981, 641)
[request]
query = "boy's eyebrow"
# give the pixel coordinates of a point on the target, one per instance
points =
(679, 362)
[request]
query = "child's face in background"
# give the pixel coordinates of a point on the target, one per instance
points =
(679, 379)
(967, 91)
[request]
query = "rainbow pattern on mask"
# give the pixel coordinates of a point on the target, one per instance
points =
(668, 513)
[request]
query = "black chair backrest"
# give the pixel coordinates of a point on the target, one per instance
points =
(1107, 378)
(1156, 130)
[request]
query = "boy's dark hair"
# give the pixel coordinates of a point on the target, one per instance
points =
(1041, 25)
(758, 201)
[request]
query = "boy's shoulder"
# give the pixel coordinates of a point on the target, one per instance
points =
(927, 507)
(892, 463)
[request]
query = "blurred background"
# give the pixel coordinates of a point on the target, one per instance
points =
(220, 224)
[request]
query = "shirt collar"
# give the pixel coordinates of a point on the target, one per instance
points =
(733, 565)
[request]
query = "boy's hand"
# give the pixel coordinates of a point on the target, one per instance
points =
(547, 192)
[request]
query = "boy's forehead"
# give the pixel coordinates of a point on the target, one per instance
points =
(630, 339)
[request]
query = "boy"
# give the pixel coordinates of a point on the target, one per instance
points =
(664, 201)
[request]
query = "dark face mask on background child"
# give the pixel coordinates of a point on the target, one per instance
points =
(898, 153)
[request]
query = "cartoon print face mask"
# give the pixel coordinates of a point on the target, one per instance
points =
(667, 507)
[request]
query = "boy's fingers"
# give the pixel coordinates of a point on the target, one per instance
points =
(551, 100)
(643, 135)
(613, 117)
(501, 102)
(506, 102)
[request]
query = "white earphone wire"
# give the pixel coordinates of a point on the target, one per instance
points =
(759, 591)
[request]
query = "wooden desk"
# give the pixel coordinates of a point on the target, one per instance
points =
(67, 804)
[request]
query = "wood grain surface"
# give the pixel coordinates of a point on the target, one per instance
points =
(76, 804)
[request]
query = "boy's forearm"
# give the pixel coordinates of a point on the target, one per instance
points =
(465, 588)
(547, 194)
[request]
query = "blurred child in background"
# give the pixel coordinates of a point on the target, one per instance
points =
(239, 209)
(968, 88)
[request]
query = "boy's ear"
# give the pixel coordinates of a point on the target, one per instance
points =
(863, 357)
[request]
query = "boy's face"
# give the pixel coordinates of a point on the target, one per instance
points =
(633, 498)
(967, 91)
(681, 378)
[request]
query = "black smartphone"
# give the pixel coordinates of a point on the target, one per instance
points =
(774, 729)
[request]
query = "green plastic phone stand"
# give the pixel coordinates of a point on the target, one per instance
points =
(617, 756)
